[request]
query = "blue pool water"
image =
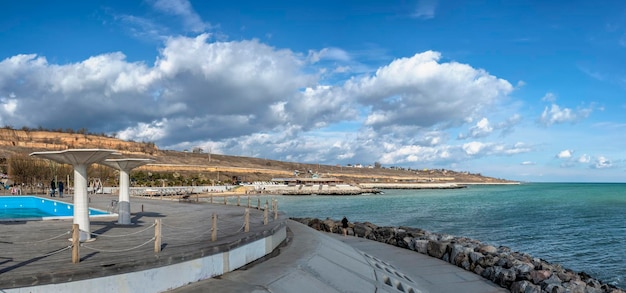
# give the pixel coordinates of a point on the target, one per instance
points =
(37, 208)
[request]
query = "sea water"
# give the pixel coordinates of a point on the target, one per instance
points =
(582, 226)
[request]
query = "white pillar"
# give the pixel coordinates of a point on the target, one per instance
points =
(81, 201)
(124, 199)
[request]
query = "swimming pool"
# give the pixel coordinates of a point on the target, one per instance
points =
(22, 208)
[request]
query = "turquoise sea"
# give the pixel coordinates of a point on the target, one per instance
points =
(579, 225)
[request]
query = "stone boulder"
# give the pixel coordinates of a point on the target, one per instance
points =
(437, 249)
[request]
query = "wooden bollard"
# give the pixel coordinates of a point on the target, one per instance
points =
(75, 244)
(211, 198)
(157, 235)
(246, 218)
(258, 204)
(225, 203)
(238, 200)
(248, 201)
(197, 198)
(265, 215)
(275, 209)
(214, 227)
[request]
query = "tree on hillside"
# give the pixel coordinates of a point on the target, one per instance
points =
(26, 169)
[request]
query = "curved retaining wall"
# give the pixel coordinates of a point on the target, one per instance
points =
(168, 277)
(518, 272)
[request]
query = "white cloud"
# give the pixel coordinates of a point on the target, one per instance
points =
(556, 115)
(202, 88)
(183, 9)
(565, 154)
(473, 148)
(328, 54)
(144, 131)
(420, 91)
(549, 97)
(584, 159)
(425, 9)
(528, 163)
(602, 163)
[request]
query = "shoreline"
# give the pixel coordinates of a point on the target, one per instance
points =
(516, 271)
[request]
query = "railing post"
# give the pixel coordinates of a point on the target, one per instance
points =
(248, 201)
(157, 235)
(258, 203)
(275, 209)
(238, 200)
(225, 203)
(211, 198)
(265, 215)
(246, 219)
(75, 244)
(214, 227)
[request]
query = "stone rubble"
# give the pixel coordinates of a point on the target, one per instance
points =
(516, 271)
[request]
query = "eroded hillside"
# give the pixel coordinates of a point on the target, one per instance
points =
(217, 167)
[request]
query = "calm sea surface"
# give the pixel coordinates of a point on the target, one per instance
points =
(581, 226)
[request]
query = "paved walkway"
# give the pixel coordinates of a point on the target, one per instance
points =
(313, 261)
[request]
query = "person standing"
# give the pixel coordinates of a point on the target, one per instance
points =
(344, 226)
(52, 188)
(60, 188)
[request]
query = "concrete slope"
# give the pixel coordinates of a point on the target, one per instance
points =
(318, 262)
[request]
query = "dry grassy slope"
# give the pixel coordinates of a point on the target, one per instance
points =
(213, 166)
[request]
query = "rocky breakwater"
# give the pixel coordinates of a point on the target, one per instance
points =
(516, 271)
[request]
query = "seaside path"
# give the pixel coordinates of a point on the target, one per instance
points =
(313, 261)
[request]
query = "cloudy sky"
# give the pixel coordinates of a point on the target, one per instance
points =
(523, 90)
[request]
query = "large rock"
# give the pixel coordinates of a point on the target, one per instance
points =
(362, 230)
(437, 249)
(525, 287)
(539, 275)
(485, 249)
(330, 226)
(421, 246)
(505, 278)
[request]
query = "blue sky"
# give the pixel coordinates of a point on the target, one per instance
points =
(523, 90)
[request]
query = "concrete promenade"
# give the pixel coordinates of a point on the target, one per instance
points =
(314, 261)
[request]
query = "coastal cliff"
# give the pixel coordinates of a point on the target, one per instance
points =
(516, 271)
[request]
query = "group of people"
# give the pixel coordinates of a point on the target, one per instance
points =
(53, 188)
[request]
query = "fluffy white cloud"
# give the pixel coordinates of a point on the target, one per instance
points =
(602, 163)
(584, 159)
(420, 91)
(555, 115)
(565, 154)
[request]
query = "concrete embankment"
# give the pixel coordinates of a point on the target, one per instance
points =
(314, 262)
(515, 271)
